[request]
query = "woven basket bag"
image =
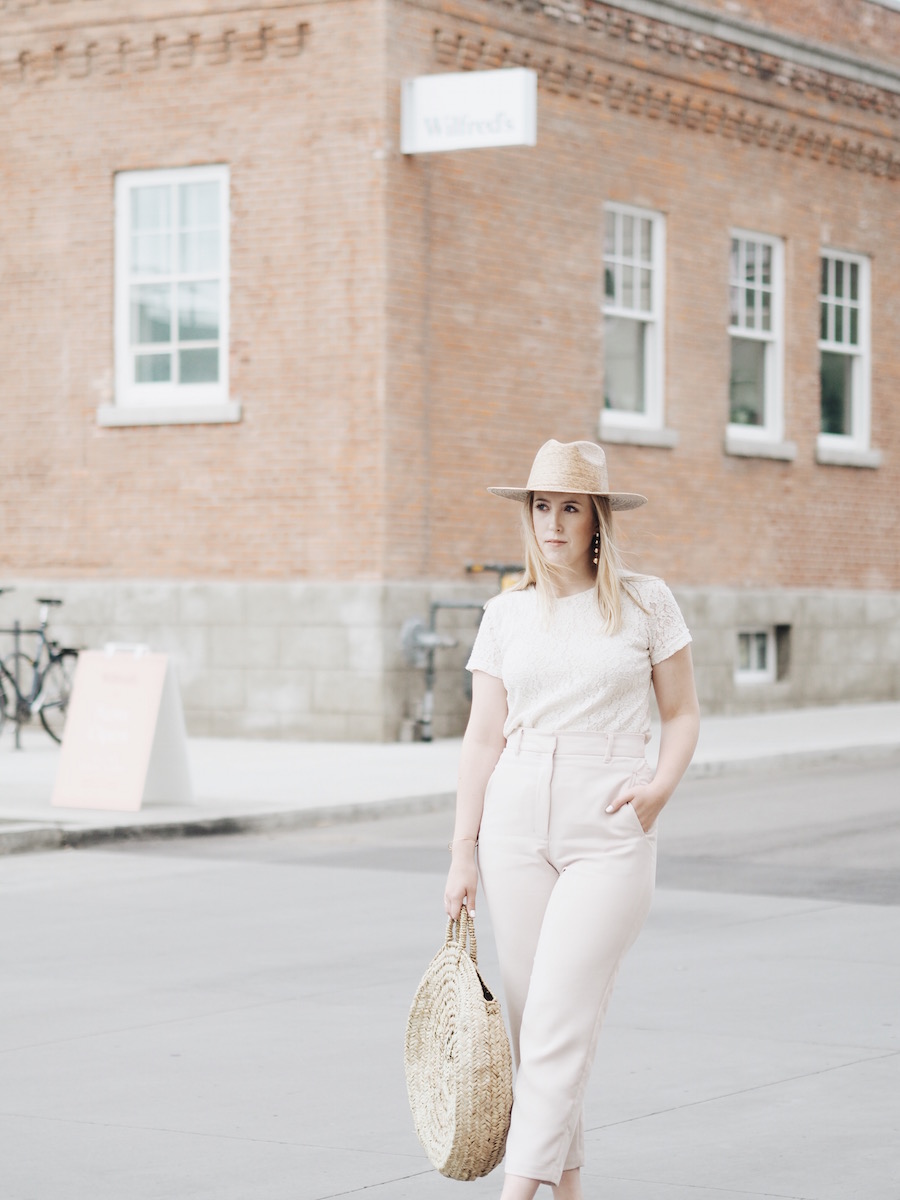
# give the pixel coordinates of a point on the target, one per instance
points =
(458, 1063)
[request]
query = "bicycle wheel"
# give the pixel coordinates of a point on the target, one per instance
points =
(3, 704)
(56, 688)
(21, 668)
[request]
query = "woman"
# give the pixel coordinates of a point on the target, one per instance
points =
(555, 791)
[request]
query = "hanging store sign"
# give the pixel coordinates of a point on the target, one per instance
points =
(469, 110)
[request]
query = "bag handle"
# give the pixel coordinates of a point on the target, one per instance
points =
(461, 931)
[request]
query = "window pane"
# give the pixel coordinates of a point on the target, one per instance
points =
(623, 353)
(151, 313)
(823, 322)
(854, 281)
(765, 300)
(628, 289)
(198, 312)
(198, 252)
(734, 308)
(744, 651)
(609, 276)
(854, 327)
(836, 382)
(152, 368)
(750, 265)
(198, 205)
(735, 260)
(198, 366)
(838, 277)
(645, 240)
(628, 237)
(766, 272)
(747, 385)
(151, 208)
(749, 304)
(760, 641)
(151, 254)
(824, 283)
(646, 299)
(838, 323)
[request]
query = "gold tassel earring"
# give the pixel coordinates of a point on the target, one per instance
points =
(597, 548)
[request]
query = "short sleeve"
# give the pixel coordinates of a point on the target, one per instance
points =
(668, 632)
(487, 654)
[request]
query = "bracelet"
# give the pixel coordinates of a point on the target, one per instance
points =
(458, 841)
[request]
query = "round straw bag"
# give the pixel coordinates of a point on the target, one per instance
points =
(458, 1064)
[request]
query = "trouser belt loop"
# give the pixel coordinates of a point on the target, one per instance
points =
(517, 740)
(609, 749)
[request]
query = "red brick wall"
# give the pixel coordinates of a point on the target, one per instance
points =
(510, 308)
(407, 331)
(288, 490)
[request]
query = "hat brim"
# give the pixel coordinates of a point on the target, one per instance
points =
(619, 501)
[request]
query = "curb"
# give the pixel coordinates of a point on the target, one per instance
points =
(796, 760)
(34, 838)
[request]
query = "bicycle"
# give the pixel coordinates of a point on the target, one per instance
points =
(38, 686)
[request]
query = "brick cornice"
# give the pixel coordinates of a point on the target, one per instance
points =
(158, 47)
(629, 91)
(777, 63)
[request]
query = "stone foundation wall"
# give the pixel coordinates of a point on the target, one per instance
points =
(324, 661)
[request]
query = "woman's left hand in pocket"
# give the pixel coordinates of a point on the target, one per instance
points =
(647, 801)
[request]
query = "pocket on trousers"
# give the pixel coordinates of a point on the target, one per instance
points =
(510, 798)
(635, 819)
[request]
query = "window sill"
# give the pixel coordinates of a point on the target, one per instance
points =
(744, 446)
(629, 435)
(834, 454)
(112, 415)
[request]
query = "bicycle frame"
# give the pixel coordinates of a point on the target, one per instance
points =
(48, 669)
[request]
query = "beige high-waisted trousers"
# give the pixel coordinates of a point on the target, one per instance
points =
(568, 887)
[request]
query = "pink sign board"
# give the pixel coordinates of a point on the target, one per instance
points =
(124, 726)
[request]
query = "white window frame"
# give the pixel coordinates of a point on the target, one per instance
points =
(167, 403)
(755, 675)
(852, 449)
(765, 440)
(647, 427)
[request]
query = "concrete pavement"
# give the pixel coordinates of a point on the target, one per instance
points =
(222, 1018)
(260, 785)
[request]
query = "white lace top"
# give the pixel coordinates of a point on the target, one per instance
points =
(563, 673)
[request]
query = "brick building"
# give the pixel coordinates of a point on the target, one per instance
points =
(259, 366)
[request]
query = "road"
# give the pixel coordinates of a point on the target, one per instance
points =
(224, 1017)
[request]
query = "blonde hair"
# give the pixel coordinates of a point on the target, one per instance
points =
(611, 575)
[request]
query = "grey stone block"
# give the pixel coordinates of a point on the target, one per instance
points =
(883, 608)
(216, 689)
(249, 646)
(280, 692)
(347, 692)
(212, 603)
(364, 728)
(146, 603)
(360, 604)
(365, 647)
(274, 603)
(311, 646)
(187, 645)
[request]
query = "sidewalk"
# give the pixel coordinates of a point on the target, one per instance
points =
(267, 785)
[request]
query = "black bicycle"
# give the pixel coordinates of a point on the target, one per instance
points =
(38, 686)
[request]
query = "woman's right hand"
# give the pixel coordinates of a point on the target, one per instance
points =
(462, 881)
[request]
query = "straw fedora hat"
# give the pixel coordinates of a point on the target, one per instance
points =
(571, 467)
